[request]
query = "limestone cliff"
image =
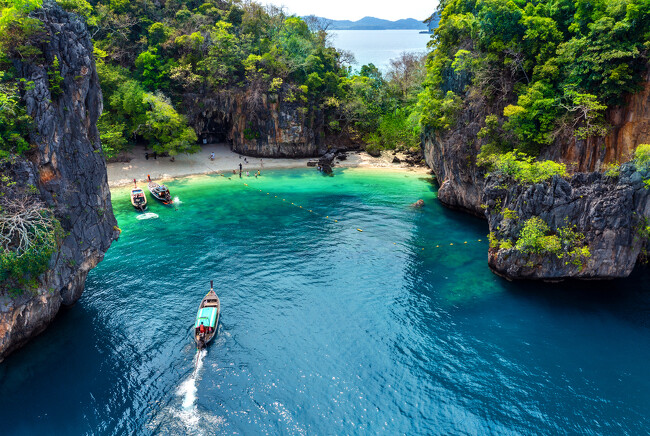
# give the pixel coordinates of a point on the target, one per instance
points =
(610, 212)
(452, 154)
(260, 124)
(67, 167)
(629, 127)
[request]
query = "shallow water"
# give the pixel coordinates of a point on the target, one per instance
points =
(325, 329)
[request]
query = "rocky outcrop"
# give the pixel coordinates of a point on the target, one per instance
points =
(611, 213)
(69, 171)
(608, 211)
(452, 154)
(452, 157)
(259, 124)
(275, 129)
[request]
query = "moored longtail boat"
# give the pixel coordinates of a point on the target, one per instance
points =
(159, 192)
(208, 316)
(138, 199)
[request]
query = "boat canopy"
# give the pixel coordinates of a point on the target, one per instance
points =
(207, 315)
(137, 191)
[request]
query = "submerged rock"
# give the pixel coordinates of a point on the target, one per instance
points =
(69, 171)
(418, 204)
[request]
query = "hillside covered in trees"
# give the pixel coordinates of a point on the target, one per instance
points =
(543, 72)
(172, 75)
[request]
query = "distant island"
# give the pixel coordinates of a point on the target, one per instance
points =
(372, 23)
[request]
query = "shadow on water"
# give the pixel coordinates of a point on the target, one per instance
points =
(626, 298)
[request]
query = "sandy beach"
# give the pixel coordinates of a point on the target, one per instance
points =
(123, 173)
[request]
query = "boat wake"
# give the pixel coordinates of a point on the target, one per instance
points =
(188, 388)
(147, 216)
(187, 419)
(177, 201)
(189, 414)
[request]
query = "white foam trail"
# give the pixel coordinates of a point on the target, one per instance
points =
(147, 216)
(188, 388)
(177, 200)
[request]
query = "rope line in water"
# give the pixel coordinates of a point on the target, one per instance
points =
(359, 230)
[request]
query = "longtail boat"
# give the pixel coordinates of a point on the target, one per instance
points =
(138, 199)
(159, 192)
(208, 316)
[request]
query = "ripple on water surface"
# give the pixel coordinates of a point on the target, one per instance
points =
(326, 329)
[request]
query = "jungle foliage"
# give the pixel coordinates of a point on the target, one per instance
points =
(546, 69)
(159, 61)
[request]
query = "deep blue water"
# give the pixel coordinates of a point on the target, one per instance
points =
(325, 329)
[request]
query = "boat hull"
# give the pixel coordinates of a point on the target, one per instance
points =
(138, 199)
(163, 195)
(208, 315)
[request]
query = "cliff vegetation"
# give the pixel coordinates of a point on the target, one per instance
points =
(545, 70)
(520, 98)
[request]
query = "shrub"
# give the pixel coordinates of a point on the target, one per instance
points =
(29, 235)
(567, 243)
(532, 236)
(522, 168)
(55, 79)
(15, 124)
(642, 156)
(613, 169)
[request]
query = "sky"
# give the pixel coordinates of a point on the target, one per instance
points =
(356, 9)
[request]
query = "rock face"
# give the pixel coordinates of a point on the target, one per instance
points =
(258, 124)
(68, 169)
(452, 154)
(610, 212)
(453, 160)
(630, 126)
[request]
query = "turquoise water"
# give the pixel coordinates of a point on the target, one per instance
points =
(379, 46)
(325, 329)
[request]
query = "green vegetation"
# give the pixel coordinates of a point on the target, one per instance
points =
(29, 235)
(18, 32)
(642, 156)
(522, 168)
(55, 79)
(14, 121)
(546, 70)
(613, 169)
(535, 237)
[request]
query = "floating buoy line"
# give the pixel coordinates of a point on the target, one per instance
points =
(327, 217)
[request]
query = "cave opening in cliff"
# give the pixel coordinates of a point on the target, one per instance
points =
(215, 131)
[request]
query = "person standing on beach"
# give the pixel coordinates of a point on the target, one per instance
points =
(212, 156)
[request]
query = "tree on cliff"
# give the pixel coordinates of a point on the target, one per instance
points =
(546, 69)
